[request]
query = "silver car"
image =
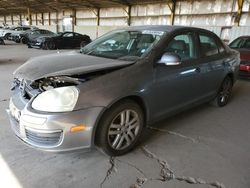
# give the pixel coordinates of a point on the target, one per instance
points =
(108, 92)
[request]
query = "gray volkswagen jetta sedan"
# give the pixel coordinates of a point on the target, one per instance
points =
(115, 86)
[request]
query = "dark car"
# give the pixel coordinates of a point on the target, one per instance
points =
(31, 37)
(61, 40)
(242, 44)
(118, 84)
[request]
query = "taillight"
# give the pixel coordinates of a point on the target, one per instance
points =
(245, 68)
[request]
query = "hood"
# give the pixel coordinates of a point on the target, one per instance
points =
(69, 63)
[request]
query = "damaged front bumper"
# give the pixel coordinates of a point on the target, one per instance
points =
(52, 131)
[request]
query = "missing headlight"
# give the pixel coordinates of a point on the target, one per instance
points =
(60, 81)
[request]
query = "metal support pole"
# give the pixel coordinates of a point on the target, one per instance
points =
(36, 19)
(129, 15)
(57, 26)
(12, 21)
(173, 12)
(42, 19)
(20, 19)
(74, 20)
(4, 18)
(239, 12)
(29, 16)
(49, 19)
(98, 17)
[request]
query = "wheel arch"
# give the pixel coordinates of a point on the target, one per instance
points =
(231, 76)
(135, 98)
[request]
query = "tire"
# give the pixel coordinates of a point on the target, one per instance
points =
(17, 40)
(23, 40)
(120, 128)
(44, 46)
(83, 43)
(224, 93)
(50, 45)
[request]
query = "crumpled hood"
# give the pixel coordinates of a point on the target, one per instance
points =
(69, 63)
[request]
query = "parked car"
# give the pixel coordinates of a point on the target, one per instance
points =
(242, 44)
(4, 32)
(7, 33)
(30, 35)
(61, 40)
(117, 85)
(20, 31)
(16, 35)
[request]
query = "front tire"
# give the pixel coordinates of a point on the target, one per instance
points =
(23, 40)
(120, 128)
(83, 43)
(225, 92)
(50, 45)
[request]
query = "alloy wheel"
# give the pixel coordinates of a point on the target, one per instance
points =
(123, 129)
(225, 91)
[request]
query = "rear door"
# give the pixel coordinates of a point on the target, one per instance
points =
(177, 86)
(213, 59)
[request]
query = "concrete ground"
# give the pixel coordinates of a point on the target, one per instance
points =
(201, 148)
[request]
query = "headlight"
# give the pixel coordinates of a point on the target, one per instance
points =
(61, 99)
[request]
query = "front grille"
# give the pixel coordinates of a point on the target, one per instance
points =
(44, 139)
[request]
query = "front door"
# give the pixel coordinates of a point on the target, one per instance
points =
(177, 86)
(67, 40)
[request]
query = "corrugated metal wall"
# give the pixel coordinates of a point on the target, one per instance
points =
(209, 14)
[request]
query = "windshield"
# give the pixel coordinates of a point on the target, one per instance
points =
(243, 42)
(125, 45)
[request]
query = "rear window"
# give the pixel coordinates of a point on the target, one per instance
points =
(243, 42)
(208, 45)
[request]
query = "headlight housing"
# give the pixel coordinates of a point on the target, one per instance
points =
(61, 99)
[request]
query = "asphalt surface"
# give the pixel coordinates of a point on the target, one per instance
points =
(200, 148)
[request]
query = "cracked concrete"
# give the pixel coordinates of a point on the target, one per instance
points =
(206, 142)
(167, 174)
(109, 171)
(174, 133)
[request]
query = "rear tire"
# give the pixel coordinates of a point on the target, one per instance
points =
(224, 93)
(120, 128)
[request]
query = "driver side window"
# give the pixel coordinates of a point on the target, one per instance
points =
(183, 46)
(68, 35)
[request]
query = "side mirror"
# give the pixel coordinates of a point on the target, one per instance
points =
(170, 59)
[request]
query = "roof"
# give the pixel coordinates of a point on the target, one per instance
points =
(37, 6)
